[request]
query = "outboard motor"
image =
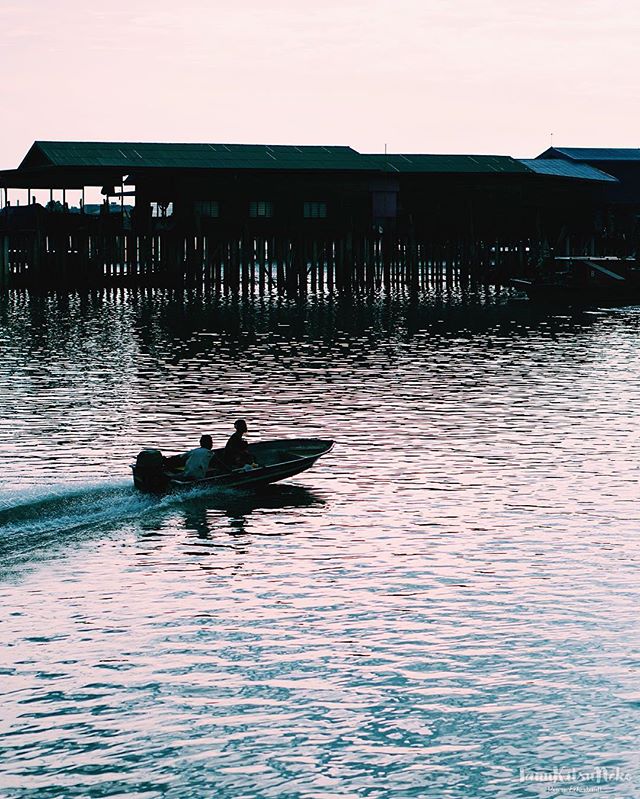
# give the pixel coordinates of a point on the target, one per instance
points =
(148, 473)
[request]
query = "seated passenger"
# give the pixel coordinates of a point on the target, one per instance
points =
(198, 460)
(236, 452)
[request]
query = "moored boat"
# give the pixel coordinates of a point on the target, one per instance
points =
(274, 460)
(584, 280)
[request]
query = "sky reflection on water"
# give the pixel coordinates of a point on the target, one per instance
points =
(449, 597)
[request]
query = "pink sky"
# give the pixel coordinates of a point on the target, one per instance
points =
(419, 75)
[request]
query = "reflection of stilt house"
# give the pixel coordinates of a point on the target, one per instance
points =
(257, 217)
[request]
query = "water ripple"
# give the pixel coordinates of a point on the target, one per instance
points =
(445, 606)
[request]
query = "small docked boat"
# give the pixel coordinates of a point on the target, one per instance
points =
(584, 280)
(274, 460)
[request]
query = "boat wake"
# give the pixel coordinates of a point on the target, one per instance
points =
(39, 523)
(36, 520)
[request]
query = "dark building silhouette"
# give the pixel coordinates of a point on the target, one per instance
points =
(622, 197)
(245, 217)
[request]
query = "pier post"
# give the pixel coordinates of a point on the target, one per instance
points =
(314, 265)
(303, 252)
(386, 260)
(412, 258)
(4, 261)
(331, 264)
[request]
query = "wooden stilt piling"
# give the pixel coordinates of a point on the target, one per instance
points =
(4, 261)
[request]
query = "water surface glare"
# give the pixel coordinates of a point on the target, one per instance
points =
(446, 606)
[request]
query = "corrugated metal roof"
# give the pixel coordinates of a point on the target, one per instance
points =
(596, 153)
(130, 155)
(567, 169)
(471, 164)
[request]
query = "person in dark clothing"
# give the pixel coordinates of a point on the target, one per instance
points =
(236, 452)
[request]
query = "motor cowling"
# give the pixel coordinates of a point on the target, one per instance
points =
(150, 460)
(149, 470)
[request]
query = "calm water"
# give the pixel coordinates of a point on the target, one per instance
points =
(446, 606)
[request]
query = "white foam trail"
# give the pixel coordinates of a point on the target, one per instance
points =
(39, 511)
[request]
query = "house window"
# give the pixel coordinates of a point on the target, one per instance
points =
(161, 210)
(207, 208)
(315, 210)
(260, 209)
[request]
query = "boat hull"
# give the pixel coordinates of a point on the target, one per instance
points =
(570, 295)
(278, 460)
(584, 281)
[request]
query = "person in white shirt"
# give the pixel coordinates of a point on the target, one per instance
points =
(198, 460)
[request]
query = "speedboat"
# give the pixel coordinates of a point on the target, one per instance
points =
(273, 461)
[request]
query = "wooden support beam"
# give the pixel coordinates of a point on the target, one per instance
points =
(4, 261)
(262, 261)
(281, 253)
(302, 265)
(314, 265)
